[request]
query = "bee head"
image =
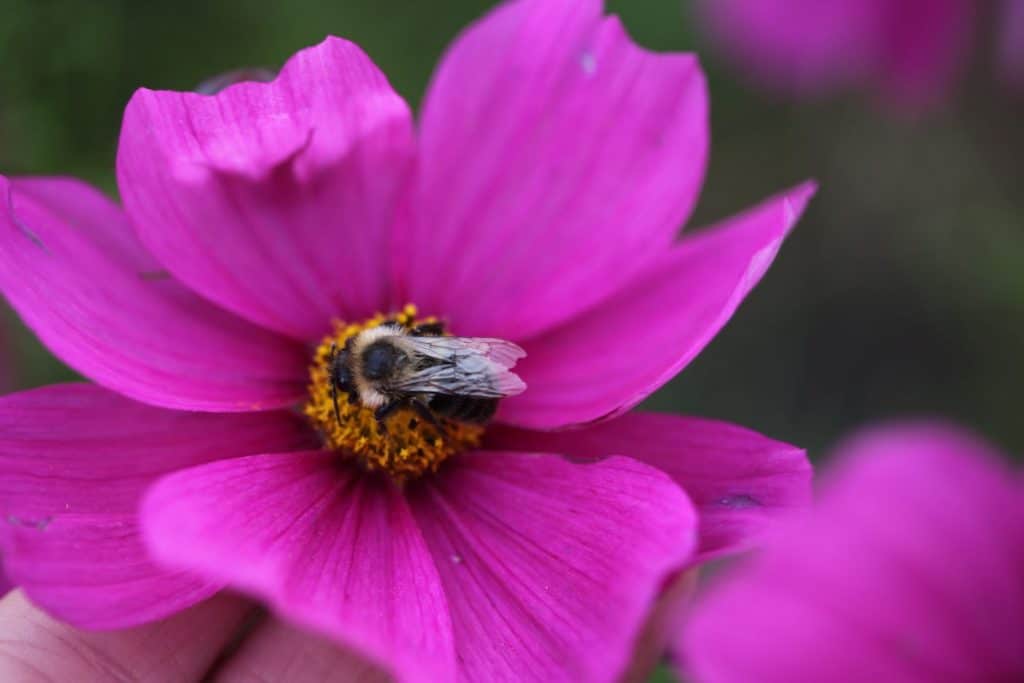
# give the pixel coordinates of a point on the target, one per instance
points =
(340, 373)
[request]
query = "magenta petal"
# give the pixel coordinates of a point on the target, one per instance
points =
(94, 572)
(924, 44)
(910, 569)
(79, 448)
(76, 274)
(740, 482)
(74, 461)
(612, 357)
(557, 159)
(910, 50)
(550, 567)
(1011, 43)
(798, 46)
(326, 545)
(273, 199)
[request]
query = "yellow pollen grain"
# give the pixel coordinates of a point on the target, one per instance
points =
(410, 447)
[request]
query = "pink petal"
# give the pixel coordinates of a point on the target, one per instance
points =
(798, 46)
(550, 567)
(80, 448)
(272, 199)
(662, 625)
(557, 158)
(612, 357)
(909, 570)
(326, 545)
(909, 50)
(92, 571)
(925, 48)
(74, 461)
(1011, 43)
(740, 482)
(77, 276)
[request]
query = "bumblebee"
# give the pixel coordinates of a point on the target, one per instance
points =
(391, 366)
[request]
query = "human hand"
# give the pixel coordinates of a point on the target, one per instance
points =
(225, 639)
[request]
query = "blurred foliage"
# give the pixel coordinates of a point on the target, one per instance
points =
(900, 293)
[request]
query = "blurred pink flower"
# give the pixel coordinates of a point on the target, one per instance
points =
(1011, 43)
(910, 569)
(538, 201)
(908, 51)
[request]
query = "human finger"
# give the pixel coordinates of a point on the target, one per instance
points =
(37, 647)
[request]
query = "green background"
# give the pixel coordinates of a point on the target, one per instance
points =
(900, 294)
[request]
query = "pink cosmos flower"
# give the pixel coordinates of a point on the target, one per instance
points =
(1011, 44)
(910, 569)
(537, 201)
(909, 51)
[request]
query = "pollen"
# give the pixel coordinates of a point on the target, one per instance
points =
(410, 446)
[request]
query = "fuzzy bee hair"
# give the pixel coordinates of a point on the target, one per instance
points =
(461, 378)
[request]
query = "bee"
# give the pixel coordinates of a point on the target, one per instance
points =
(392, 366)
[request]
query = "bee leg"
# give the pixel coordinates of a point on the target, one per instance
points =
(334, 398)
(383, 413)
(435, 329)
(424, 412)
(332, 358)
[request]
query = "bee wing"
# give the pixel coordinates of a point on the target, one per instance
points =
(499, 351)
(468, 366)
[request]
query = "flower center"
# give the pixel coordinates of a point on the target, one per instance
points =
(403, 444)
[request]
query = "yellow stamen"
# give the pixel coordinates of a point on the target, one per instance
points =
(410, 447)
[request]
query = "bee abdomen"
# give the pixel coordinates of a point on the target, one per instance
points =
(464, 408)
